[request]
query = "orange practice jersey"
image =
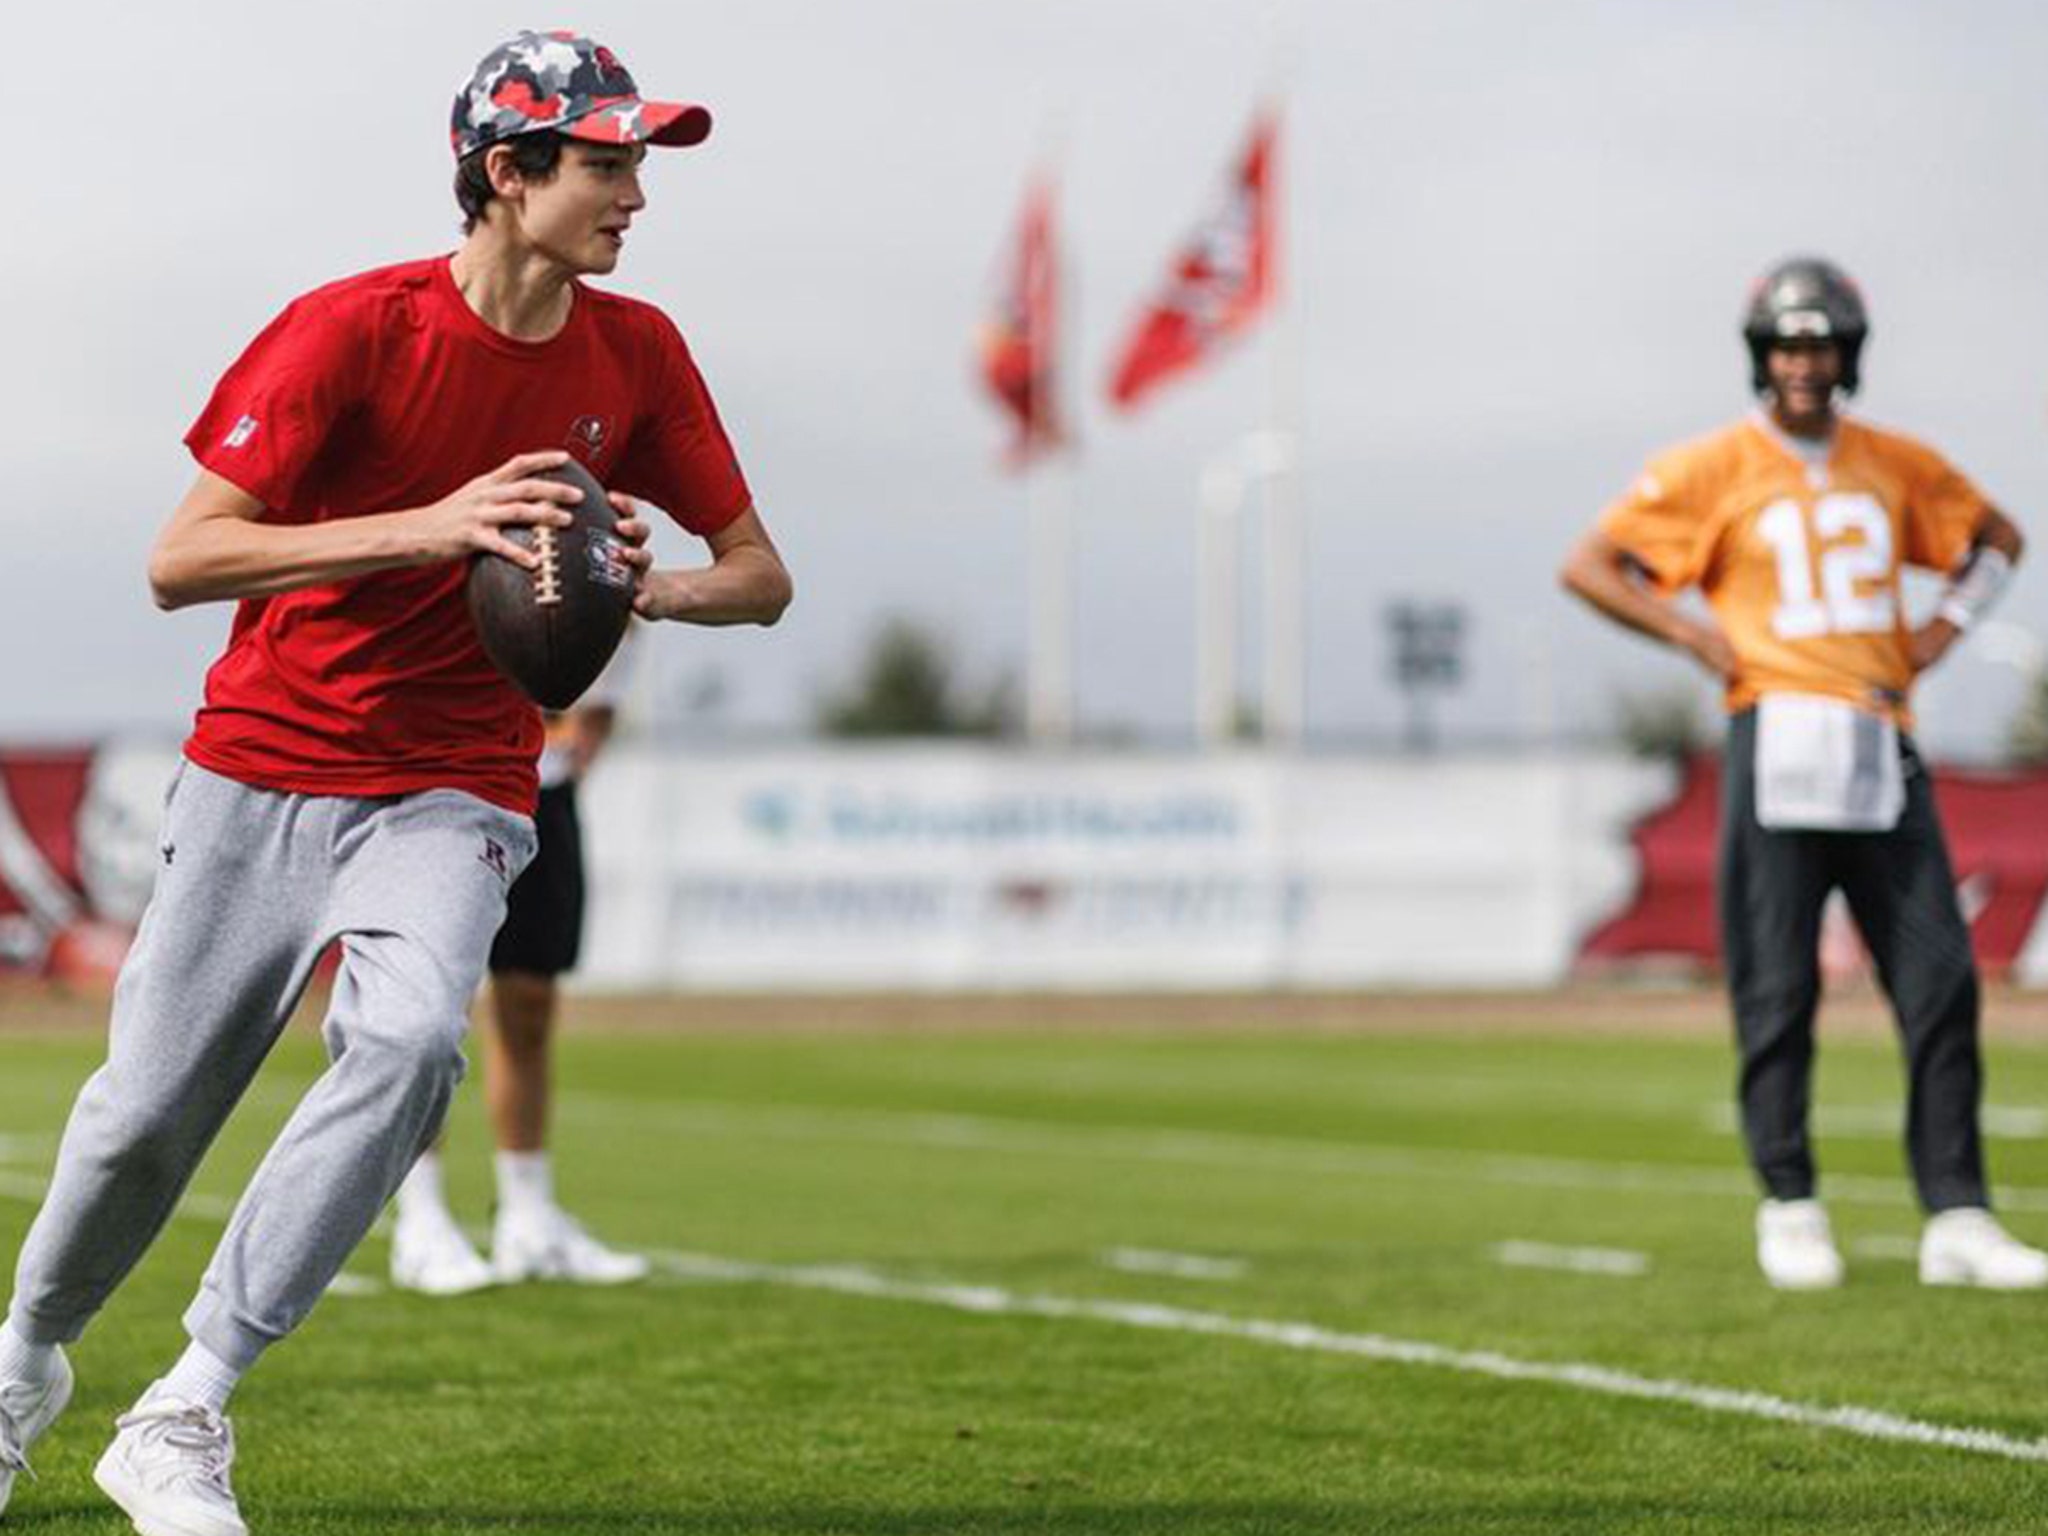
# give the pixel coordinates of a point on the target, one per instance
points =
(1800, 562)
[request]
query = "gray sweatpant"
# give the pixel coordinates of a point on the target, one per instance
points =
(253, 887)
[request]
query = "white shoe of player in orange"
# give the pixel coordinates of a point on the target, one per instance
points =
(430, 1255)
(1967, 1246)
(546, 1243)
(168, 1469)
(1795, 1246)
(27, 1408)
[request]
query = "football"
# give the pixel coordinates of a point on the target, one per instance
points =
(551, 630)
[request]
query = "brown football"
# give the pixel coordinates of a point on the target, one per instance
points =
(553, 629)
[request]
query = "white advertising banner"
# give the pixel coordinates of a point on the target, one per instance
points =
(960, 867)
(945, 868)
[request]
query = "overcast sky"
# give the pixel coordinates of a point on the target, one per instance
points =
(1520, 237)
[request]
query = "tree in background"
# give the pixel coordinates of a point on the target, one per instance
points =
(1665, 723)
(906, 685)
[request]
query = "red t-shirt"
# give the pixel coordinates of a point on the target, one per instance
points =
(384, 392)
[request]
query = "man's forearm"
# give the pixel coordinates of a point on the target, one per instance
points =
(747, 586)
(220, 559)
(1626, 601)
(1977, 583)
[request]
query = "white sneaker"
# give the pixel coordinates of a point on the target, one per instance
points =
(27, 1408)
(1795, 1247)
(168, 1468)
(548, 1244)
(1967, 1246)
(430, 1255)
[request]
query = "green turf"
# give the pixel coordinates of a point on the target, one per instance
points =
(1363, 1181)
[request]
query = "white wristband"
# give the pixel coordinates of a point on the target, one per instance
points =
(1978, 584)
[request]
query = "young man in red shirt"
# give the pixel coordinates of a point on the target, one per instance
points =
(359, 773)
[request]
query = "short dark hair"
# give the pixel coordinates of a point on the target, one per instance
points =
(537, 156)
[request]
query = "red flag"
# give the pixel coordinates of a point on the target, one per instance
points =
(1222, 280)
(1020, 340)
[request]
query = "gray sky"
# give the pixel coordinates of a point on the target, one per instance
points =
(1520, 238)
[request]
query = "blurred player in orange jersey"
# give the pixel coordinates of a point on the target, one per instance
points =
(532, 1236)
(1794, 523)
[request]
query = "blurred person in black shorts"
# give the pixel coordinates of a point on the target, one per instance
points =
(532, 1237)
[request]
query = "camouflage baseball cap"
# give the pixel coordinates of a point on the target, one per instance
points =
(559, 81)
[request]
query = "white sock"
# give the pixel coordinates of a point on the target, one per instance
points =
(200, 1376)
(24, 1360)
(422, 1193)
(526, 1181)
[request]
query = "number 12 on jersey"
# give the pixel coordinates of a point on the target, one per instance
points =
(1855, 593)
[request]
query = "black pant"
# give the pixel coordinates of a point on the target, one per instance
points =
(543, 930)
(1902, 894)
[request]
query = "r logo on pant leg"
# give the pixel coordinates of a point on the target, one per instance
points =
(493, 857)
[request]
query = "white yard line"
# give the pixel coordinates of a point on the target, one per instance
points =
(22, 1186)
(993, 1301)
(31, 1187)
(1622, 1262)
(1181, 1266)
(1226, 1149)
(1886, 1122)
(1867, 1423)
(206, 1208)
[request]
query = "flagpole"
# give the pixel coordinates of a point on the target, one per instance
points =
(1285, 554)
(1049, 517)
(1216, 541)
(1221, 281)
(1035, 320)
(1048, 500)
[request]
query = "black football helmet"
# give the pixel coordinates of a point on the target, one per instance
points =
(1805, 299)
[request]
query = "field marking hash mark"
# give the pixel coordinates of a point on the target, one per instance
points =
(1622, 1263)
(1181, 1266)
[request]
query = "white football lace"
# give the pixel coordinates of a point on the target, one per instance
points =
(203, 1435)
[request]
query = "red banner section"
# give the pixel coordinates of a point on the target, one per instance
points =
(50, 924)
(1020, 344)
(1222, 279)
(1997, 826)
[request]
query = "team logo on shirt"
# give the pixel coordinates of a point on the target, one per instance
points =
(240, 432)
(587, 435)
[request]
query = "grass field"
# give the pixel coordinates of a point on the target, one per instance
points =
(1483, 1277)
